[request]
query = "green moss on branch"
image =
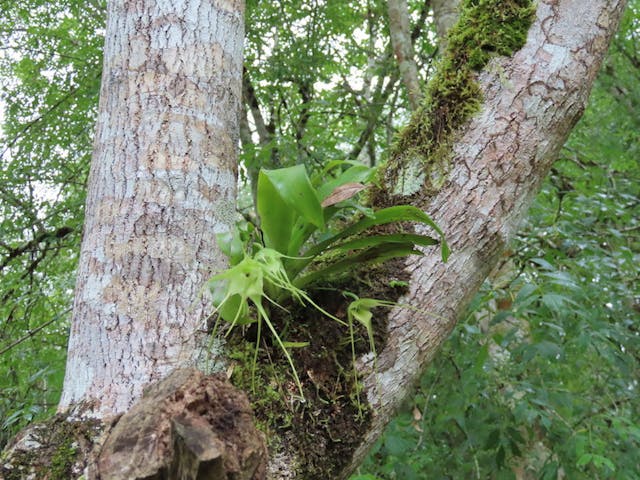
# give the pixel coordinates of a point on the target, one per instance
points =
(486, 28)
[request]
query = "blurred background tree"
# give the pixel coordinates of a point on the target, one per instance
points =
(539, 380)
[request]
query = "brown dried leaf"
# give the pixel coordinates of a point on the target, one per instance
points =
(343, 192)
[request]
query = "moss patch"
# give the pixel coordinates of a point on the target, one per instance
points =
(325, 426)
(57, 448)
(63, 459)
(486, 28)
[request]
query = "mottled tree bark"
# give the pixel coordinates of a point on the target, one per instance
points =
(403, 49)
(445, 14)
(162, 185)
(531, 103)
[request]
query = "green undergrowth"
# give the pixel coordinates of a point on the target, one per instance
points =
(264, 388)
(486, 28)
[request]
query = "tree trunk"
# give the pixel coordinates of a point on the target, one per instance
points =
(401, 40)
(445, 14)
(162, 185)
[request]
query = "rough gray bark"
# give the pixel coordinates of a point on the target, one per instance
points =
(531, 103)
(162, 184)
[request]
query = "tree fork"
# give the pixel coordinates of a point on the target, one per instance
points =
(496, 163)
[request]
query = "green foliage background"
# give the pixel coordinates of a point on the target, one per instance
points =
(50, 64)
(541, 375)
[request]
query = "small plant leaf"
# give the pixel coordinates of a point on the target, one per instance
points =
(295, 344)
(404, 238)
(375, 254)
(233, 287)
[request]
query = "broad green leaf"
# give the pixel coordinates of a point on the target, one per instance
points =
(401, 213)
(600, 460)
(544, 264)
(295, 189)
(556, 302)
(276, 217)
(404, 238)
(527, 292)
(561, 278)
(580, 443)
(584, 459)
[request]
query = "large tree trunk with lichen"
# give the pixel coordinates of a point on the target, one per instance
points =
(162, 184)
(164, 165)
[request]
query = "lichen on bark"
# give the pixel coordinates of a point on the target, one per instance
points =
(56, 448)
(419, 158)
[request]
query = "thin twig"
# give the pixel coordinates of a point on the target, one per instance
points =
(33, 332)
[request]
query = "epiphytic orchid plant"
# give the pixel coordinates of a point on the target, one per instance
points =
(289, 252)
